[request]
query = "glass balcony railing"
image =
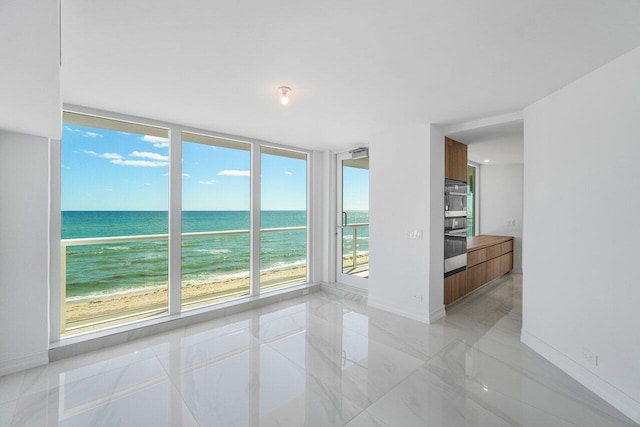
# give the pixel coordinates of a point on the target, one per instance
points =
(355, 249)
(133, 281)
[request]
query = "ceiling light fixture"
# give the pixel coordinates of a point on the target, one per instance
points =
(284, 94)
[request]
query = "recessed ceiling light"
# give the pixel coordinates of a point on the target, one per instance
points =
(487, 161)
(284, 94)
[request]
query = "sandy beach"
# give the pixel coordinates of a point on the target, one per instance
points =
(98, 310)
(86, 315)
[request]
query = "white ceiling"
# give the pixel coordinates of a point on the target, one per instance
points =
(356, 67)
(30, 68)
(500, 143)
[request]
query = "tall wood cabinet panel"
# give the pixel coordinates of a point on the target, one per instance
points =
(454, 287)
(455, 160)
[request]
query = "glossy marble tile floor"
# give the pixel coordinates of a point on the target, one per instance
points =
(316, 361)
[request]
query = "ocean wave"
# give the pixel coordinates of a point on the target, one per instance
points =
(118, 248)
(193, 280)
(284, 265)
(115, 292)
(213, 251)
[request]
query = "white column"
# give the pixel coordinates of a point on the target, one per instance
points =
(255, 219)
(175, 219)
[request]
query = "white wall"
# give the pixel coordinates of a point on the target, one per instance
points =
(581, 290)
(24, 251)
(403, 166)
(500, 200)
(30, 71)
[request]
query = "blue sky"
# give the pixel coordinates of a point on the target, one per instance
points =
(109, 170)
(355, 189)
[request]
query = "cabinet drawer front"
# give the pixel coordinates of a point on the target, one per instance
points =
(454, 287)
(476, 277)
(493, 269)
(476, 257)
(494, 251)
(506, 263)
(506, 247)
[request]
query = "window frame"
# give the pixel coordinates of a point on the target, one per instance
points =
(175, 220)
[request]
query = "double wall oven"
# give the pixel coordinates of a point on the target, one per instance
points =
(455, 229)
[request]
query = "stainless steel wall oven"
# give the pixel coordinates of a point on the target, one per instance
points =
(455, 231)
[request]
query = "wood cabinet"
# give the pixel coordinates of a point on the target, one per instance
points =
(488, 257)
(454, 287)
(455, 160)
(476, 277)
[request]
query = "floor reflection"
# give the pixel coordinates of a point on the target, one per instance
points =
(315, 361)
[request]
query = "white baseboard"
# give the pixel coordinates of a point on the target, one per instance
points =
(399, 311)
(611, 394)
(18, 364)
(438, 314)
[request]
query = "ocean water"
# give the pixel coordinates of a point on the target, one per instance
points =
(107, 269)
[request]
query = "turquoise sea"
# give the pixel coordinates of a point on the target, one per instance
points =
(104, 269)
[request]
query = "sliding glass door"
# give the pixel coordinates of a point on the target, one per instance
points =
(352, 260)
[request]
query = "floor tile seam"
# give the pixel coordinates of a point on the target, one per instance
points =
(476, 398)
(151, 355)
(190, 346)
(378, 342)
(389, 392)
(564, 394)
(178, 390)
(19, 388)
(184, 402)
(383, 423)
(13, 411)
(320, 381)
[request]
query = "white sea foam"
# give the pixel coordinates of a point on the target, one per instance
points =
(214, 251)
(190, 281)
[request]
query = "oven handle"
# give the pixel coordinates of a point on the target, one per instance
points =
(457, 233)
(453, 193)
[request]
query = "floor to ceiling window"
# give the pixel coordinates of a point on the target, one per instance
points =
(116, 209)
(216, 195)
(283, 218)
(114, 198)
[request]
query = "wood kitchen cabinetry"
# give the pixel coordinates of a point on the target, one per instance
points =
(455, 287)
(455, 160)
(488, 257)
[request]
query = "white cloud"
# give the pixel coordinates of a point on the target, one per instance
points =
(109, 156)
(186, 175)
(84, 134)
(227, 172)
(139, 163)
(213, 181)
(149, 155)
(288, 173)
(108, 189)
(157, 141)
